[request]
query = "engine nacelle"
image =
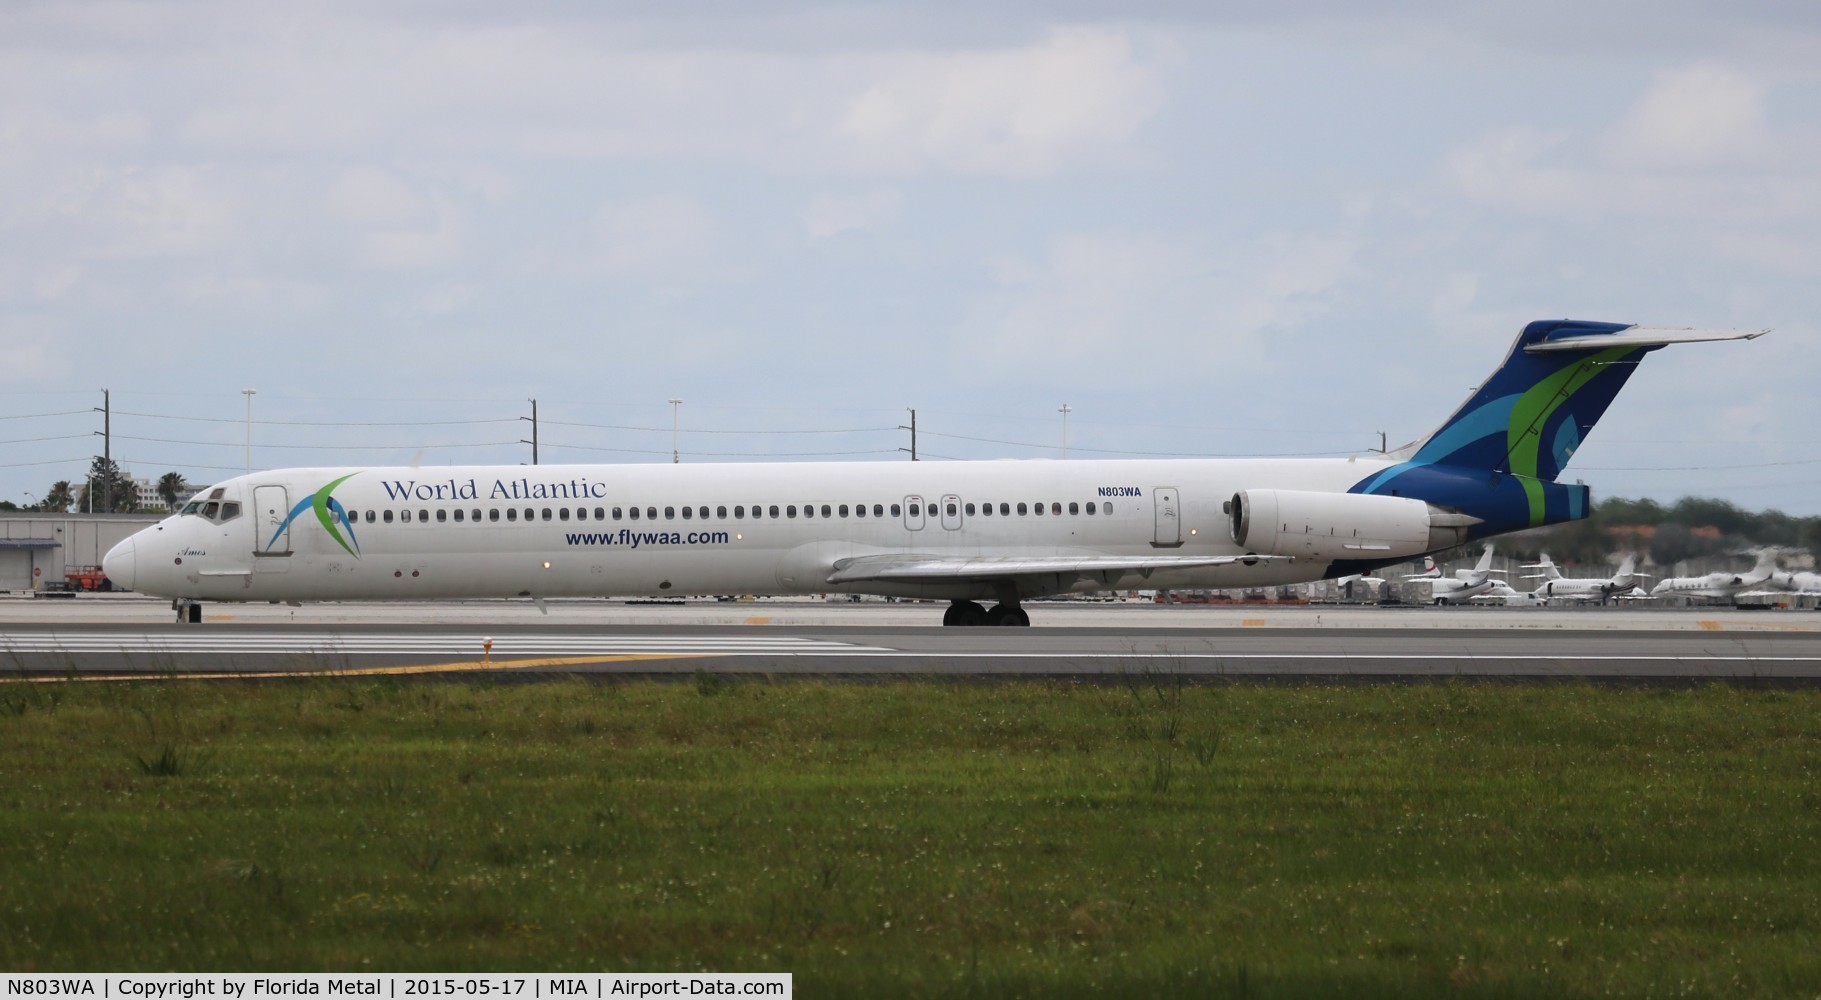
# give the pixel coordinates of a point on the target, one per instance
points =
(1346, 526)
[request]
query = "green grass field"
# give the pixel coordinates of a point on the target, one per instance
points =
(925, 838)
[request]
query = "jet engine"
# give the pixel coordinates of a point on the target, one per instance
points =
(1334, 526)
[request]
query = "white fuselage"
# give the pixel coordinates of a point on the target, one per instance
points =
(628, 530)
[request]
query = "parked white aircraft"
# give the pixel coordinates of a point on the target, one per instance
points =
(963, 532)
(1601, 589)
(1501, 592)
(1726, 586)
(1360, 586)
(1466, 584)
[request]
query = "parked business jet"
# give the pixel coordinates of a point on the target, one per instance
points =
(1601, 589)
(1466, 584)
(1500, 592)
(1724, 586)
(962, 532)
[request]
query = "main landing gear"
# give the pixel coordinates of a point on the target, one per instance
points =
(972, 613)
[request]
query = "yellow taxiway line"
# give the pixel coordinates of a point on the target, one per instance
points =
(464, 666)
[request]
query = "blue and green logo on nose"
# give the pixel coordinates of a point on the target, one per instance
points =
(329, 511)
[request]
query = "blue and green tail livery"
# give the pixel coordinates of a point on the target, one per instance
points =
(329, 513)
(1498, 456)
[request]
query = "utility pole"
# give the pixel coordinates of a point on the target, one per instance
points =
(249, 393)
(675, 405)
(107, 459)
(1065, 409)
(533, 441)
(913, 429)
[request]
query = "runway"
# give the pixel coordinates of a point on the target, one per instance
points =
(128, 638)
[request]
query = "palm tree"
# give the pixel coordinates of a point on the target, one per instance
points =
(59, 498)
(170, 486)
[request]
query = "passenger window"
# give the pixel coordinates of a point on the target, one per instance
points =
(772, 511)
(459, 515)
(879, 510)
(739, 512)
(562, 514)
(387, 517)
(369, 517)
(951, 510)
(1021, 510)
(1074, 508)
(827, 511)
(530, 515)
(477, 517)
(670, 513)
(987, 509)
(600, 513)
(843, 510)
(702, 512)
(970, 509)
(441, 515)
(634, 512)
(1056, 509)
(790, 511)
(1005, 510)
(719, 512)
(651, 513)
(581, 513)
(896, 510)
(1107, 509)
(511, 513)
(1037, 508)
(1091, 507)
(687, 513)
(494, 514)
(546, 513)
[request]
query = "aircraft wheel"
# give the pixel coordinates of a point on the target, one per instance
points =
(1002, 615)
(970, 613)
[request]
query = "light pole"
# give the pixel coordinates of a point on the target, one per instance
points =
(675, 408)
(1065, 409)
(249, 393)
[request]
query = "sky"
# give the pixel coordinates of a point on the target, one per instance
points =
(1207, 229)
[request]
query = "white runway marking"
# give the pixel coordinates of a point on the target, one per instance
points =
(504, 646)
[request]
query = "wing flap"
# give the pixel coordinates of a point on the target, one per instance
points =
(931, 569)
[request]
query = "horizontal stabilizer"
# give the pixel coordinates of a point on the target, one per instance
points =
(1574, 338)
(935, 569)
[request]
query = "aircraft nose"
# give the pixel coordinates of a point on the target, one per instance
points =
(119, 565)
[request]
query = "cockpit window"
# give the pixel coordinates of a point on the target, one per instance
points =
(230, 511)
(210, 509)
(192, 507)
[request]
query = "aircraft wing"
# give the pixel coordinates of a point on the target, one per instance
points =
(934, 569)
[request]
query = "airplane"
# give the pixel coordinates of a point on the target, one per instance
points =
(1363, 581)
(961, 532)
(1726, 586)
(1466, 584)
(1503, 593)
(1601, 589)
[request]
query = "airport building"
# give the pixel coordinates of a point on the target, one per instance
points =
(49, 552)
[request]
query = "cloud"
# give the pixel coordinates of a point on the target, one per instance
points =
(659, 234)
(1696, 116)
(1132, 302)
(834, 214)
(1078, 95)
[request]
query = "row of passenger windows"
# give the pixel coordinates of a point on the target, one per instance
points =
(951, 508)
